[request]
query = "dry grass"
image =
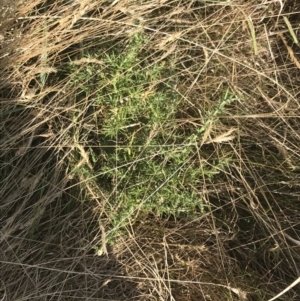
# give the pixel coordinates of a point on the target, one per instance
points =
(245, 246)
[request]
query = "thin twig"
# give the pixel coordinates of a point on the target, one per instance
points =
(286, 290)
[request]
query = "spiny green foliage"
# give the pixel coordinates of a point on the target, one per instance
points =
(146, 164)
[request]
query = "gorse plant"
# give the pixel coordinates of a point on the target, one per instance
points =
(146, 163)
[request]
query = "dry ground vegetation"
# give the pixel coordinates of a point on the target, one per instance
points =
(149, 150)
